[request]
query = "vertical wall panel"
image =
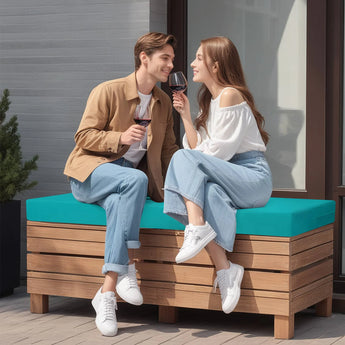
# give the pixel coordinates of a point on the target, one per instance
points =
(52, 53)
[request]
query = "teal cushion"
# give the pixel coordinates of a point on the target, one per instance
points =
(280, 217)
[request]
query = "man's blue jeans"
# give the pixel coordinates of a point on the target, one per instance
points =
(121, 190)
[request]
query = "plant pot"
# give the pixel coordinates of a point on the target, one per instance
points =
(9, 246)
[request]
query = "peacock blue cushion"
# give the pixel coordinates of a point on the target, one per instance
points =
(280, 217)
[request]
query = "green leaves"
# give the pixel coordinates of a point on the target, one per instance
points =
(14, 173)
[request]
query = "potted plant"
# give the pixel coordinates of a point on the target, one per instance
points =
(13, 179)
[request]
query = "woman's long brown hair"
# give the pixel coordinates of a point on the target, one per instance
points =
(222, 51)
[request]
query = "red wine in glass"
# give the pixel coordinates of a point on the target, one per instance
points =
(177, 82)
(178, 88)
(142, 122)
(142, 119)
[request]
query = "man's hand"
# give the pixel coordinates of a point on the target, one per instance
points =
(132, 135)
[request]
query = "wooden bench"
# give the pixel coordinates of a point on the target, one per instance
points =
(285, 247)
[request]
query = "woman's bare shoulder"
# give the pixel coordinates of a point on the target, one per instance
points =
(229, 97)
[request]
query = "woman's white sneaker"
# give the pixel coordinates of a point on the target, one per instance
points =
(105, 305)
(127, 287)
(195, 239)
(229, 281)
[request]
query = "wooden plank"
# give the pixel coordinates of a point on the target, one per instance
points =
(311, 273)
(198, 300)
(72, 277)
(66, 234)
(65, 247)
(312, 232)
(62, 288)
(312, 255)
(241, 246)
(65, 264)
(160, 240)
(314, 240)
(261, 247)
(186, 274)
(169, 255)
(312, 297)
(157, 284)
(261, 261)
(312, 286)
(165, 297)
(66, 225)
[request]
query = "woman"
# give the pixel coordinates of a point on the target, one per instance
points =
(222, 167)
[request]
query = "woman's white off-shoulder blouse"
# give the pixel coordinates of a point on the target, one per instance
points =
(230, 129)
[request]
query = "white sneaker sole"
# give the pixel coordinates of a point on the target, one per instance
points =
(206, 240)
(237, 286)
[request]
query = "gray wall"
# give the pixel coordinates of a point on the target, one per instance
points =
(52, 53)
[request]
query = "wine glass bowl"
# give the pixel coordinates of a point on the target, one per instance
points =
(143, 119)
(177, 82)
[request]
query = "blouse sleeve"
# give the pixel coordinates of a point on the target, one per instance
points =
(229, 127)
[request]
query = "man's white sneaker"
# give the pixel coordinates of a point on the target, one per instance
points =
(127, 287)
(105, 305)
(229, 281)
(195, 239)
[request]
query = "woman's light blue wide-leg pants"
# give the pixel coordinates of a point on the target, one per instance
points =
(219, 187)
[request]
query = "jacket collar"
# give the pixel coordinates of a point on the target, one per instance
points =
(132, 90)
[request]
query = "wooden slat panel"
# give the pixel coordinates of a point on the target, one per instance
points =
(169, 254)
(312, 286)
(65, 225)
(312, 255)
(64, 264)
(66, 234)
(160, 240)
(241, 246)
(312, 232)
(261, 247)
(310, 274)
(62, 288)
(154, 271)
(311, 241)
(260, 261)
(65, 247)
(205, 276)
(312, 297)
(199, 300)
(160, 296)
(72, 277)
(156, 284)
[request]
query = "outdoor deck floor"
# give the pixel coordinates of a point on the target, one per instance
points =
(71, 321)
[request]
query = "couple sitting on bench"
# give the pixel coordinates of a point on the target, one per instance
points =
(116, 163)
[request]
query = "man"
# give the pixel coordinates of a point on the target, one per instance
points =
(102, 166)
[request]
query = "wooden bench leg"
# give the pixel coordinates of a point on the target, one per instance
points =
(39, 303)
(167, 314)
(284, 326)
(324, 308)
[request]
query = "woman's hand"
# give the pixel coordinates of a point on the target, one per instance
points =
(181, 104)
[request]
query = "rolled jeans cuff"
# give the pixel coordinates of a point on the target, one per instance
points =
(133, 244)
(120, 269)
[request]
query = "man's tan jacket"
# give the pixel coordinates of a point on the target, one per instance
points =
(109, 112)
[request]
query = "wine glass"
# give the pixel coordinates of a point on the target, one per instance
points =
(177, 82)
(142, 118)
